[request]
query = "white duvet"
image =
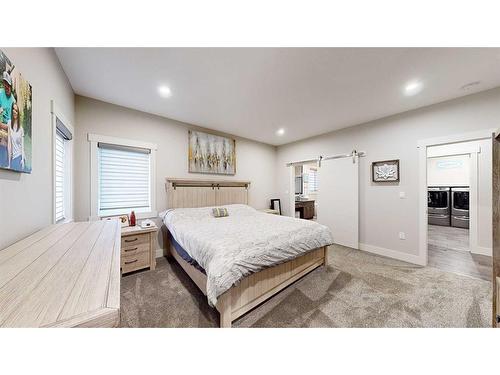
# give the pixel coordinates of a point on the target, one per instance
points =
(230, 248)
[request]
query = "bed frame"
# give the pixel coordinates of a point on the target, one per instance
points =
(255, 288)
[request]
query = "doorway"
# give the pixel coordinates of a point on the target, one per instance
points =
(455, 179)
(306, 191)
(449, 205)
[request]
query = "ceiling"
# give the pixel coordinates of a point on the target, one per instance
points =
(253, 92)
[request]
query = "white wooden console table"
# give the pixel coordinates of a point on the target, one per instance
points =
(65, 275)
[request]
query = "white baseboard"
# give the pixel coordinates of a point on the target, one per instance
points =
(410, 258)
(482, 250)
(159, 253)
(405, 257)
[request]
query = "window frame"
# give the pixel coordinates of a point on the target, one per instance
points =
(315, 172)
(93, 140)
(64, 177)
(68, 166)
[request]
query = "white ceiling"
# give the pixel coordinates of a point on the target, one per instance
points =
(252, 92)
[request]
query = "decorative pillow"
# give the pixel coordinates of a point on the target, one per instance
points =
(220, 212)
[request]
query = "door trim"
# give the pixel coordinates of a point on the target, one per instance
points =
(422, 146)
(291, 191)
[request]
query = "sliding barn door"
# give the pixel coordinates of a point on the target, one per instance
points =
(338, 199)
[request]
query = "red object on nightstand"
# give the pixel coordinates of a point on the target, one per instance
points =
(132, 219)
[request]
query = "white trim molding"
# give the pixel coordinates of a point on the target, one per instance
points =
(454, 149)
(456, 138)
(481, 250)
(394, 254)
(291, 191)
(422, 205)
(121, 141)
(93, 140)
(55, 114)
(160, 253)
(473, 200)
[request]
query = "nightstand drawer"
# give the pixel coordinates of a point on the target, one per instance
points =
(135, 262)
(135, 239)
(138, 246)
(130, 250)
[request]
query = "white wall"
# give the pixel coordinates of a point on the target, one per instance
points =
(26, 199)
(255, 161)
(382, 213)
(449, 170)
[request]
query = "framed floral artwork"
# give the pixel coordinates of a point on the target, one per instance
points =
(385, 171)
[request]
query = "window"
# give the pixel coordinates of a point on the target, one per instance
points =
(313, 180)
(59, 183)
(124, 179)
(62, 169)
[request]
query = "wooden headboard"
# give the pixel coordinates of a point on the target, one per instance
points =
(203, 193)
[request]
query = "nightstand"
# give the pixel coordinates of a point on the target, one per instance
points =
(138, 249)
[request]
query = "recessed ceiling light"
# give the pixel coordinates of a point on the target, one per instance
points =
(413, 88)
(164, 91)
(280, 131)
(470, 85)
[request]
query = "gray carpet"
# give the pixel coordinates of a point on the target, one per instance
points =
(356, 290)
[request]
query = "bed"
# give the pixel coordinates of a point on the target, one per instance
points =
(241, 260)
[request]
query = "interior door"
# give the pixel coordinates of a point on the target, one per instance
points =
(338, 206)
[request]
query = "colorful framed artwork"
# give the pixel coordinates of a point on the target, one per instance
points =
(15, 118)
(211, 154)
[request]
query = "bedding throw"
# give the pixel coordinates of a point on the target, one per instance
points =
(247, 241)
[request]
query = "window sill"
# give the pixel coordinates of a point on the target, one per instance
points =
(146, 215)
(65, 221)
(138, 215)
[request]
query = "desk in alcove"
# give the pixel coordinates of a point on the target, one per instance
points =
(305, 208)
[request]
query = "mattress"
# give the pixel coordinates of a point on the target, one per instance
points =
(184, 255)
(246, 241)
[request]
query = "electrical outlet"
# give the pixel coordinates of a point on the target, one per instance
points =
(402, 195)
(402, 236)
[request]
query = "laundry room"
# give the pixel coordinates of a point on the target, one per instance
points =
(459, 185)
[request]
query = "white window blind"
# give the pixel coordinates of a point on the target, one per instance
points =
(60, 172)
(313, 180)
(124, 179)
